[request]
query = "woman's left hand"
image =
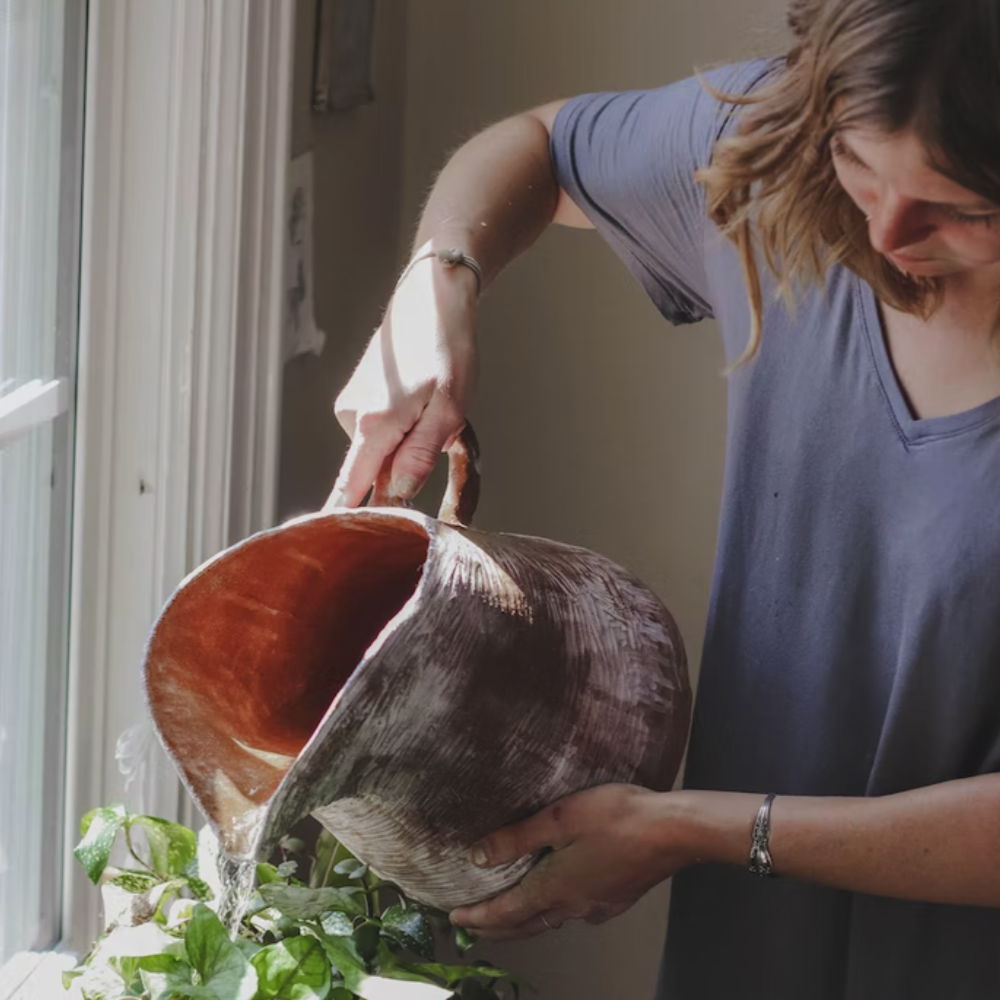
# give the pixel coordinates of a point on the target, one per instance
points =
(608, 846)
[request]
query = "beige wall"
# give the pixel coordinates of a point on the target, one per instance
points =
(358, 163)
(600, 424)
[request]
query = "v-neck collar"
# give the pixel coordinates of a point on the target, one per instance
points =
(913, 431)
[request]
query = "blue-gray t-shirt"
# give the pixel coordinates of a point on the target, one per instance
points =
(853, 638)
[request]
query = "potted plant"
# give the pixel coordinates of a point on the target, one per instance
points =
(336, 933)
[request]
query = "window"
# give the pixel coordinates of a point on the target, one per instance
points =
(40, 168)
(141, 200)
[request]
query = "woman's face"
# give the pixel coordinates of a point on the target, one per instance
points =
(922, 222)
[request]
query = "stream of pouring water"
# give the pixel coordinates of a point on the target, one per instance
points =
(237, 873)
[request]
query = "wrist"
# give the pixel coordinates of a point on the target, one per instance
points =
(714, 827)
(449, 266)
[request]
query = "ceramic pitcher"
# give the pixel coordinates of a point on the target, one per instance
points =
(413, 683)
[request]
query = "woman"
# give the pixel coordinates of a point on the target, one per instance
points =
(842, 205)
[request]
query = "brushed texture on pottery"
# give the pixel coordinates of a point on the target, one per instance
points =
(414, 684)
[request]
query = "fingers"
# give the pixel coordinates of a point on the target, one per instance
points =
(439, 424)
(510, 912)
(416, 455)
(361, 466)
(542, 923)
(545, 829)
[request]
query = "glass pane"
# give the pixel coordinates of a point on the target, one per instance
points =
(31, 69)
(40, 165)
(25, 502)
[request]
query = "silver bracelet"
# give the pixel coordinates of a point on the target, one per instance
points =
(760, 848)
(449, 258)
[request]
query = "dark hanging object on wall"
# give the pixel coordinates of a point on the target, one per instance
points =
(342, 61)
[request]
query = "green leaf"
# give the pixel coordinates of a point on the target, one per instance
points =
(133, 942)
(381, 988)
(303, 903)
(206, 863)
(266, 874)
(367, 939)
(349, 866)
(294, 969)
(410, 929)
(344, 958)
(172, 847)
(337, 924)
(391, 966)
(255, 905)
(164, 976)
(180, 912)
(133, 881)
(287, 869)
(453, 974)
(327, 847)
(463, 940)
(99, 829)
(199, 889)
(271, 921)
(292, 845)
(162, 895)
(340, 993)
(220, 964)
(99, 983)
(248, 946)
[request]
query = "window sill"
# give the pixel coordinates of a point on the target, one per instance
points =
(34, 975)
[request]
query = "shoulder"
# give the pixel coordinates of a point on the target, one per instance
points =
(736, 82)
(655, 135)
(697, 103)
(629, 161)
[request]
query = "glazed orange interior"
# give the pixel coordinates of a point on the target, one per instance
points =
(253, 650)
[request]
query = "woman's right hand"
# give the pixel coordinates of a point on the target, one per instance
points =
(407, 399)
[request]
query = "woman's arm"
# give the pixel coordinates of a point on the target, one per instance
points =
(939, 844)
(410, 393)
(497, 193)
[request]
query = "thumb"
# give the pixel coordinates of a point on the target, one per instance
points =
(530, 836)
(416, 457)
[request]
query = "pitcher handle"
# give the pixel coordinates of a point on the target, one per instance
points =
(462, 494)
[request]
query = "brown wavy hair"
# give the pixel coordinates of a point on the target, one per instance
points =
(928, 65)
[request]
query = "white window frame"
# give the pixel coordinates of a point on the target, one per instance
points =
(187, 120)
(31, 406)
(27, 409)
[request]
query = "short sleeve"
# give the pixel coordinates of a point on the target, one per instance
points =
(628, 161)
